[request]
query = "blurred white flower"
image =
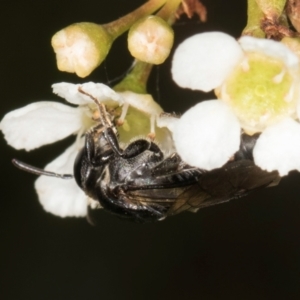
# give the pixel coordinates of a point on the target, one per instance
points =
(259, 80)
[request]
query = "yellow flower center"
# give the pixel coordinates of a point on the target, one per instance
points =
(260, 92)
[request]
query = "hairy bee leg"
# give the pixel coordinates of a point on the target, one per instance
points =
(113, 141)
(170, 164)
(133, 150)
(94, 156)
(136, 148)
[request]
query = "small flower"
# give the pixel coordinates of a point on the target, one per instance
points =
(259, 80)
(81, 47)
(46, 122)
(150, 40)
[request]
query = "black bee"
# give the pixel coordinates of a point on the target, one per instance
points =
(139, 183)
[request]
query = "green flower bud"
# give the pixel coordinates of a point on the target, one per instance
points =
(151, 40)
(81, 47)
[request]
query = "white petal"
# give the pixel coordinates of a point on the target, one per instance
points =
(40, 123)
(278, 147)
(142, 102)
(62, 197)
(298, 108)
(207, 135)
(203, 61)
(166, 120)
(102, 92)
(270, 48)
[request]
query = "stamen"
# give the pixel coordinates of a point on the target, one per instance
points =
(278, 78)
(123, 114)
(103, 116)
(151, 135)
(289, 96)
(245, 65)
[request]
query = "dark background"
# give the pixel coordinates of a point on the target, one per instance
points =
(245, 249)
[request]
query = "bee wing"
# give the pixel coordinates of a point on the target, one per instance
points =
(232, 181)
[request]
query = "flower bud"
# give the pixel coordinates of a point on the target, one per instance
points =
(150, 40)
(81, 47)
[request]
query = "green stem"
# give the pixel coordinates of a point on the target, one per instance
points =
(119, 26)
(168, 11)
(136, 79)
(272, 8)
(255, 15)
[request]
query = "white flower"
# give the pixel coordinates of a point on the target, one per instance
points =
(46, 122)
(259, 80)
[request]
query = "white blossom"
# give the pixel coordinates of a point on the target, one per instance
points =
(259, 80)
(45, 122)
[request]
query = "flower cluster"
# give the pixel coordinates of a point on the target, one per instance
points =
(257, 85)
(255, 80)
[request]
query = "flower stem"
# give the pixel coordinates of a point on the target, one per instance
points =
(168, 11)
(255, 15)
(116, 28)
(136, 79)
(271, 8)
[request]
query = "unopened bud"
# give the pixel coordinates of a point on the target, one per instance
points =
(81, 47)
(150, 40)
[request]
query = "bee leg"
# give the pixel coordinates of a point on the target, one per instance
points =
(170, 164)
(139, 146)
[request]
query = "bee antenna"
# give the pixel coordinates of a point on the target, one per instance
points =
(37, 171)
(105, 121)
